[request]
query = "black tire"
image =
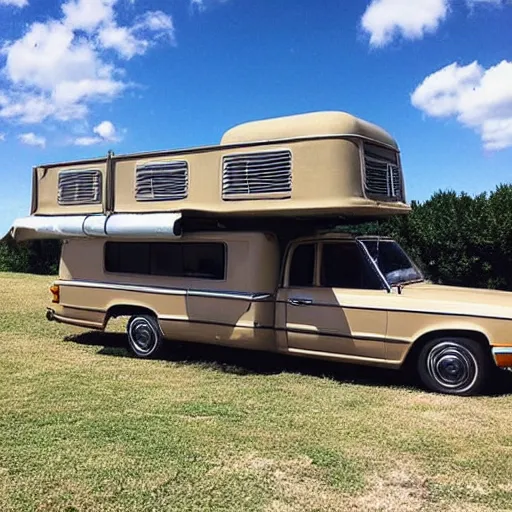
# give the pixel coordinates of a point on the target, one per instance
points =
(454, 366)
(144, 336)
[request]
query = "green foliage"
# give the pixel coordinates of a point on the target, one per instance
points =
(458, 239)
(36, 257)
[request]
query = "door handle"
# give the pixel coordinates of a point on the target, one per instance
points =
(300, 302)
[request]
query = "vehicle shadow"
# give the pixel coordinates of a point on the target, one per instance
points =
(248, 362)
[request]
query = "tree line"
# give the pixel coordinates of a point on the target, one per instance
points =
(454, 238)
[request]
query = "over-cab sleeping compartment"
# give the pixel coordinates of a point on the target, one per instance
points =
(320, 164)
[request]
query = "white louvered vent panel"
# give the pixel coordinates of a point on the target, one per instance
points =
(383, 177)
(267, 173)
(79, 187)
(162, 181)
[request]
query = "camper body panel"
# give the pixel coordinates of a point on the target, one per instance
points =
(48, 186)
(327, 178)
(236, 308)
(323, 182)
(319, 164)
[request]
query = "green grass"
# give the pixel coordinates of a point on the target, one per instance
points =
(84, 426)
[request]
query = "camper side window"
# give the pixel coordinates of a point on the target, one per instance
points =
(201, 260)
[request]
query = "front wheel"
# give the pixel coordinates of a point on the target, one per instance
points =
(455, 366)
(144, 336)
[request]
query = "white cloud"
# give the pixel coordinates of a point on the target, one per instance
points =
(156, 21)
(122, 41)
(31, 139)
(15, 3)
(104, 132)
(87, 141)
(73, 92)
(47, 54)
(478, 98)
(135, 40)
(59, 68)
(87, 14)
(385, 19)
(2, 137)
(31, 108)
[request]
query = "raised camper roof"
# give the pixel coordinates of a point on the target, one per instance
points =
(315, 124)
(321, 164)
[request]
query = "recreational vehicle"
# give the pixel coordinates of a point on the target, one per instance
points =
(233, 245)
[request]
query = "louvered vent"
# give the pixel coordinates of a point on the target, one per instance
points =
(383, 176)
(267, 174)
(79, 187)
(162, 181)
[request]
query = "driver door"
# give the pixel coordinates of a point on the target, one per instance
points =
(333, 301)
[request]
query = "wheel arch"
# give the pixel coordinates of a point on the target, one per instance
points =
(474, 334)
(128, 310)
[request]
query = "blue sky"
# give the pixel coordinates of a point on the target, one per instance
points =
(79, 77)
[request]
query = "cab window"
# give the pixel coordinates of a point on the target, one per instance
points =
(344, 266)
(302, 266)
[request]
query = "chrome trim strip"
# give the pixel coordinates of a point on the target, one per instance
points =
(335, 355)
(501, 350)
(221, 147)
(253, 297)
(123, 287)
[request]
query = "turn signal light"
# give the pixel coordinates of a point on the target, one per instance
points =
(55, 291)
(503, 360)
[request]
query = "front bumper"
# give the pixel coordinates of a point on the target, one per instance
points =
(502, 357)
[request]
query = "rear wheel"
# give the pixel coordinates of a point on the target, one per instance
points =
(144, 336)
(455, 366)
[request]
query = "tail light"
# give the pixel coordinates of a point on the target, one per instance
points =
(55, 291)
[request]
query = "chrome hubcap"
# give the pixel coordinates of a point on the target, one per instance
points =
(142, 335)
(452, 365)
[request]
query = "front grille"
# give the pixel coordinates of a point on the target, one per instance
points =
(162, 181)
(267, 173)
(79, 187)
(383, 176)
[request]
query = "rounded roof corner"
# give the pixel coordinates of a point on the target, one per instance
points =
(313, 124)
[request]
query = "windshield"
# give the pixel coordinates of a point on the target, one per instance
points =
(392, 261)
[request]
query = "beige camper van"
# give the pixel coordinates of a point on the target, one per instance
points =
(232, 245)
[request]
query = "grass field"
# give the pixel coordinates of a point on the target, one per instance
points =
(83, 426)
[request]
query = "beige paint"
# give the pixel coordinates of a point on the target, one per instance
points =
(327, 172)
(374, 327)
(45, 191)
(250, 308)
(325, 326)
(306, 125)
